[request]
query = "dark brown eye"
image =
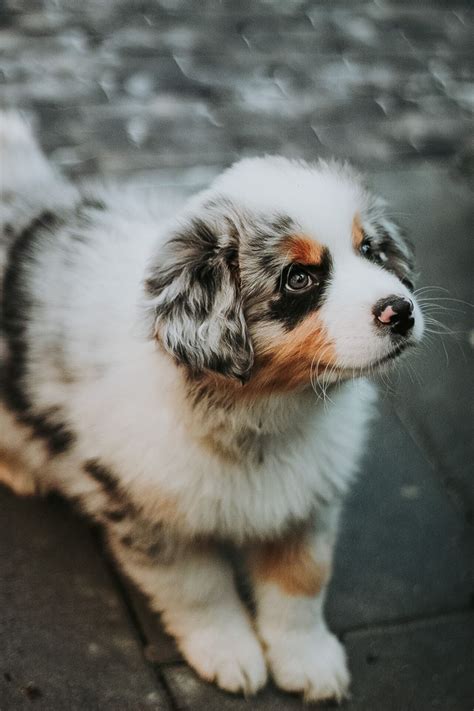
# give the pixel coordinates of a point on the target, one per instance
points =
(298, 280)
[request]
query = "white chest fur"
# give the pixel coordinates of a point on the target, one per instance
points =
(135, 424)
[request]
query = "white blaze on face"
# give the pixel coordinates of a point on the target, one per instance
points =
(355, 287)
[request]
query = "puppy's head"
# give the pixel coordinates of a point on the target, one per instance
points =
(282, 271)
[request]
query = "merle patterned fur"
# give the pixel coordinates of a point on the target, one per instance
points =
(17, 307)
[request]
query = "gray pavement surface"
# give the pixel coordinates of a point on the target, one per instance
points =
(169, 92)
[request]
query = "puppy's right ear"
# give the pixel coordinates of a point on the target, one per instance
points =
(193, 291)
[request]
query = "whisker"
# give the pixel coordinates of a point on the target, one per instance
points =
(445, 352)
(430, 288)
(446, 298)
(315, 379)
(442, 307)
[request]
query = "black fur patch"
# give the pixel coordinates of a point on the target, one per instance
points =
(103, 475)
(291, 307)
(394, 259)
(127, 541)
(58, 437)
(117, 508)
(17, 306)
(8, 231)
(146, 541)
(115, 515)
(92, 203)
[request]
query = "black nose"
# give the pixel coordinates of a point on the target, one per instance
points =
(394, 313)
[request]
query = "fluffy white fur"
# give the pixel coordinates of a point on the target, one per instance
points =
(127, 403)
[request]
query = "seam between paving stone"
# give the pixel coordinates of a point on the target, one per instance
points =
(440, 616)
(135, 623)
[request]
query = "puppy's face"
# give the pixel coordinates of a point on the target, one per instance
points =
(282, 273)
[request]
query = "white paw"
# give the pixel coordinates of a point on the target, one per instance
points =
(311, 662)
(230, 657)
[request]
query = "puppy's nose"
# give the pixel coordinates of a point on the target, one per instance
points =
(395, 313)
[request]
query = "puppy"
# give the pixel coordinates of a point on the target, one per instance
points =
(196, 379)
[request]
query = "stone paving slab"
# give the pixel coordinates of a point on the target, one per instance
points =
(434, 397)
(126, 141)
(66, 639)
(417, 666)
(404, 551)
(414, 667)
(370, 81)
(193, 694)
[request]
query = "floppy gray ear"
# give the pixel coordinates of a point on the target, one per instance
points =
(194, 293)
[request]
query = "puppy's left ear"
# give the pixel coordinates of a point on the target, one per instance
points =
(193, 291)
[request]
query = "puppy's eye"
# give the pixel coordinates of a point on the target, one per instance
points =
(366, 249)
(298, 280)
(371, 251)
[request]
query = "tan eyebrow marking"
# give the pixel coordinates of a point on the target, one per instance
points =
(358, 234)
(304, 250)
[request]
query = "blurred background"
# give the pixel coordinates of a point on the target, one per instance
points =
(167, 93)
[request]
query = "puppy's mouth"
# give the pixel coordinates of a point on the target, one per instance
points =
(372, 366)
(390, 356)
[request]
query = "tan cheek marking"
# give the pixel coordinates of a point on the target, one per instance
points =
(293, 359)
(291, 566)
(303, 250)
(357, 232)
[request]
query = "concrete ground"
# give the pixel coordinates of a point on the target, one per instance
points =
(169, 92)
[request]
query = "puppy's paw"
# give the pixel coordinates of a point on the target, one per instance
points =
(312, 663)
(230, 657)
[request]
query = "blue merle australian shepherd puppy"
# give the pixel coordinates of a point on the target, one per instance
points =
(164, 371)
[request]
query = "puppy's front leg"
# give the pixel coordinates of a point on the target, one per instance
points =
(194, 590)
(289, 578)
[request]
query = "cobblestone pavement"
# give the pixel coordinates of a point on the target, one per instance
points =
(168, 92)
